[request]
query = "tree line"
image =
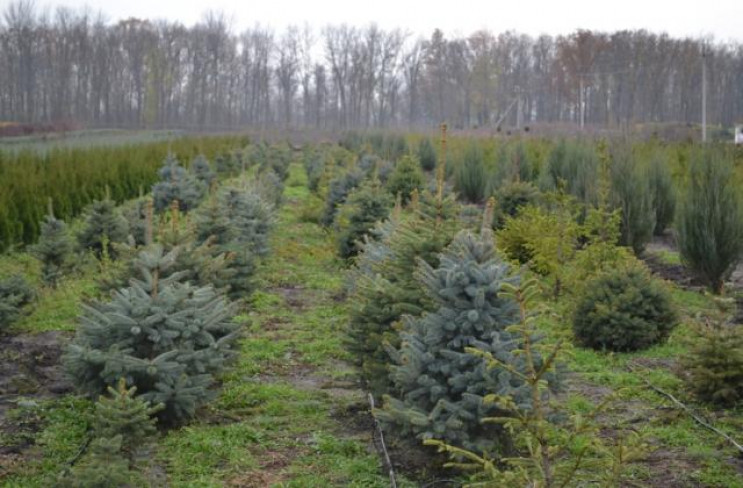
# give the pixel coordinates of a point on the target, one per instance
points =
(69, 65)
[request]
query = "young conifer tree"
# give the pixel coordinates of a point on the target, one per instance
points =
(202, 170)
(53, 249)
(177, 184)
(439, 386)
(104, 227)
(385, 287)
(365, 207)
(166, 337)
(710, 220)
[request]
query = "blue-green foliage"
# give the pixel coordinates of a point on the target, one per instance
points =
(177, 184)
(15, 293)
(166, 337)
(339, 189)
(202, 170)
(103, 226)
(53, 249)
(438, 386)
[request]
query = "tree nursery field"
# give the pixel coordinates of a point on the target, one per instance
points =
(379, 309)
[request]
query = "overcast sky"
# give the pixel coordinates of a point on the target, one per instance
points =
(721, 18)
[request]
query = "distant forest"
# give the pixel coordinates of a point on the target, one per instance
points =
(66, 65)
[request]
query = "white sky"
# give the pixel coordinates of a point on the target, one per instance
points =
(722, 19)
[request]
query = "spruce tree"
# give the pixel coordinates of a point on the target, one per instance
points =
(121, 413)
(439, 387)
(238, 222)
(15, 293)
(177, 184)
(405, 178)
(166, 337)
(339, 189)
(365, 207)
(103, 227)
(53, 249)
(385, 287)
(103, 467)
(137, 215)
(202, 171)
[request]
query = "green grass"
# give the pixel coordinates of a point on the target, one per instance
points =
(287, 389)
(286, 413)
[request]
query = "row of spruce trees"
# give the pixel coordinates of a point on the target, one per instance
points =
(435, 325)
(176, 267)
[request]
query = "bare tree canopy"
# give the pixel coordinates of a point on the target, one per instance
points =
(73, 66)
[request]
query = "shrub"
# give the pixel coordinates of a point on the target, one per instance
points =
(510, 198)
(440, 385)
(395, 147)
(632, 194)
(15, 293)
(120, 413)
(624, 310)
(546, 240)
(385, 287)
(714, 364)
(470, 179)
(276, 158)
(663, 191)
(177, 184)
(165, 337)
(202, 171)
(270, 187)
(135, 213)
(366, 206)
(427, 154)
(314, 167)
(513, 165)
(53, 249)
(574, 165)
(338, 191)
(405, 178)
(238, 221)
(710, 220)
(103, 227)
(104, 466)
(555, 447)
(229, 164)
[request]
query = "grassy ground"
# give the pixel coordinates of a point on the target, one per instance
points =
(290, 414)
(682, 453)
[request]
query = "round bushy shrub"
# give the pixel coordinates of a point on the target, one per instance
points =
(624, 310)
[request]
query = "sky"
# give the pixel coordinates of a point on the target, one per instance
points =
(722, 19)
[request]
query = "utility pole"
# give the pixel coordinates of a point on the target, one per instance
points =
(704, 93)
